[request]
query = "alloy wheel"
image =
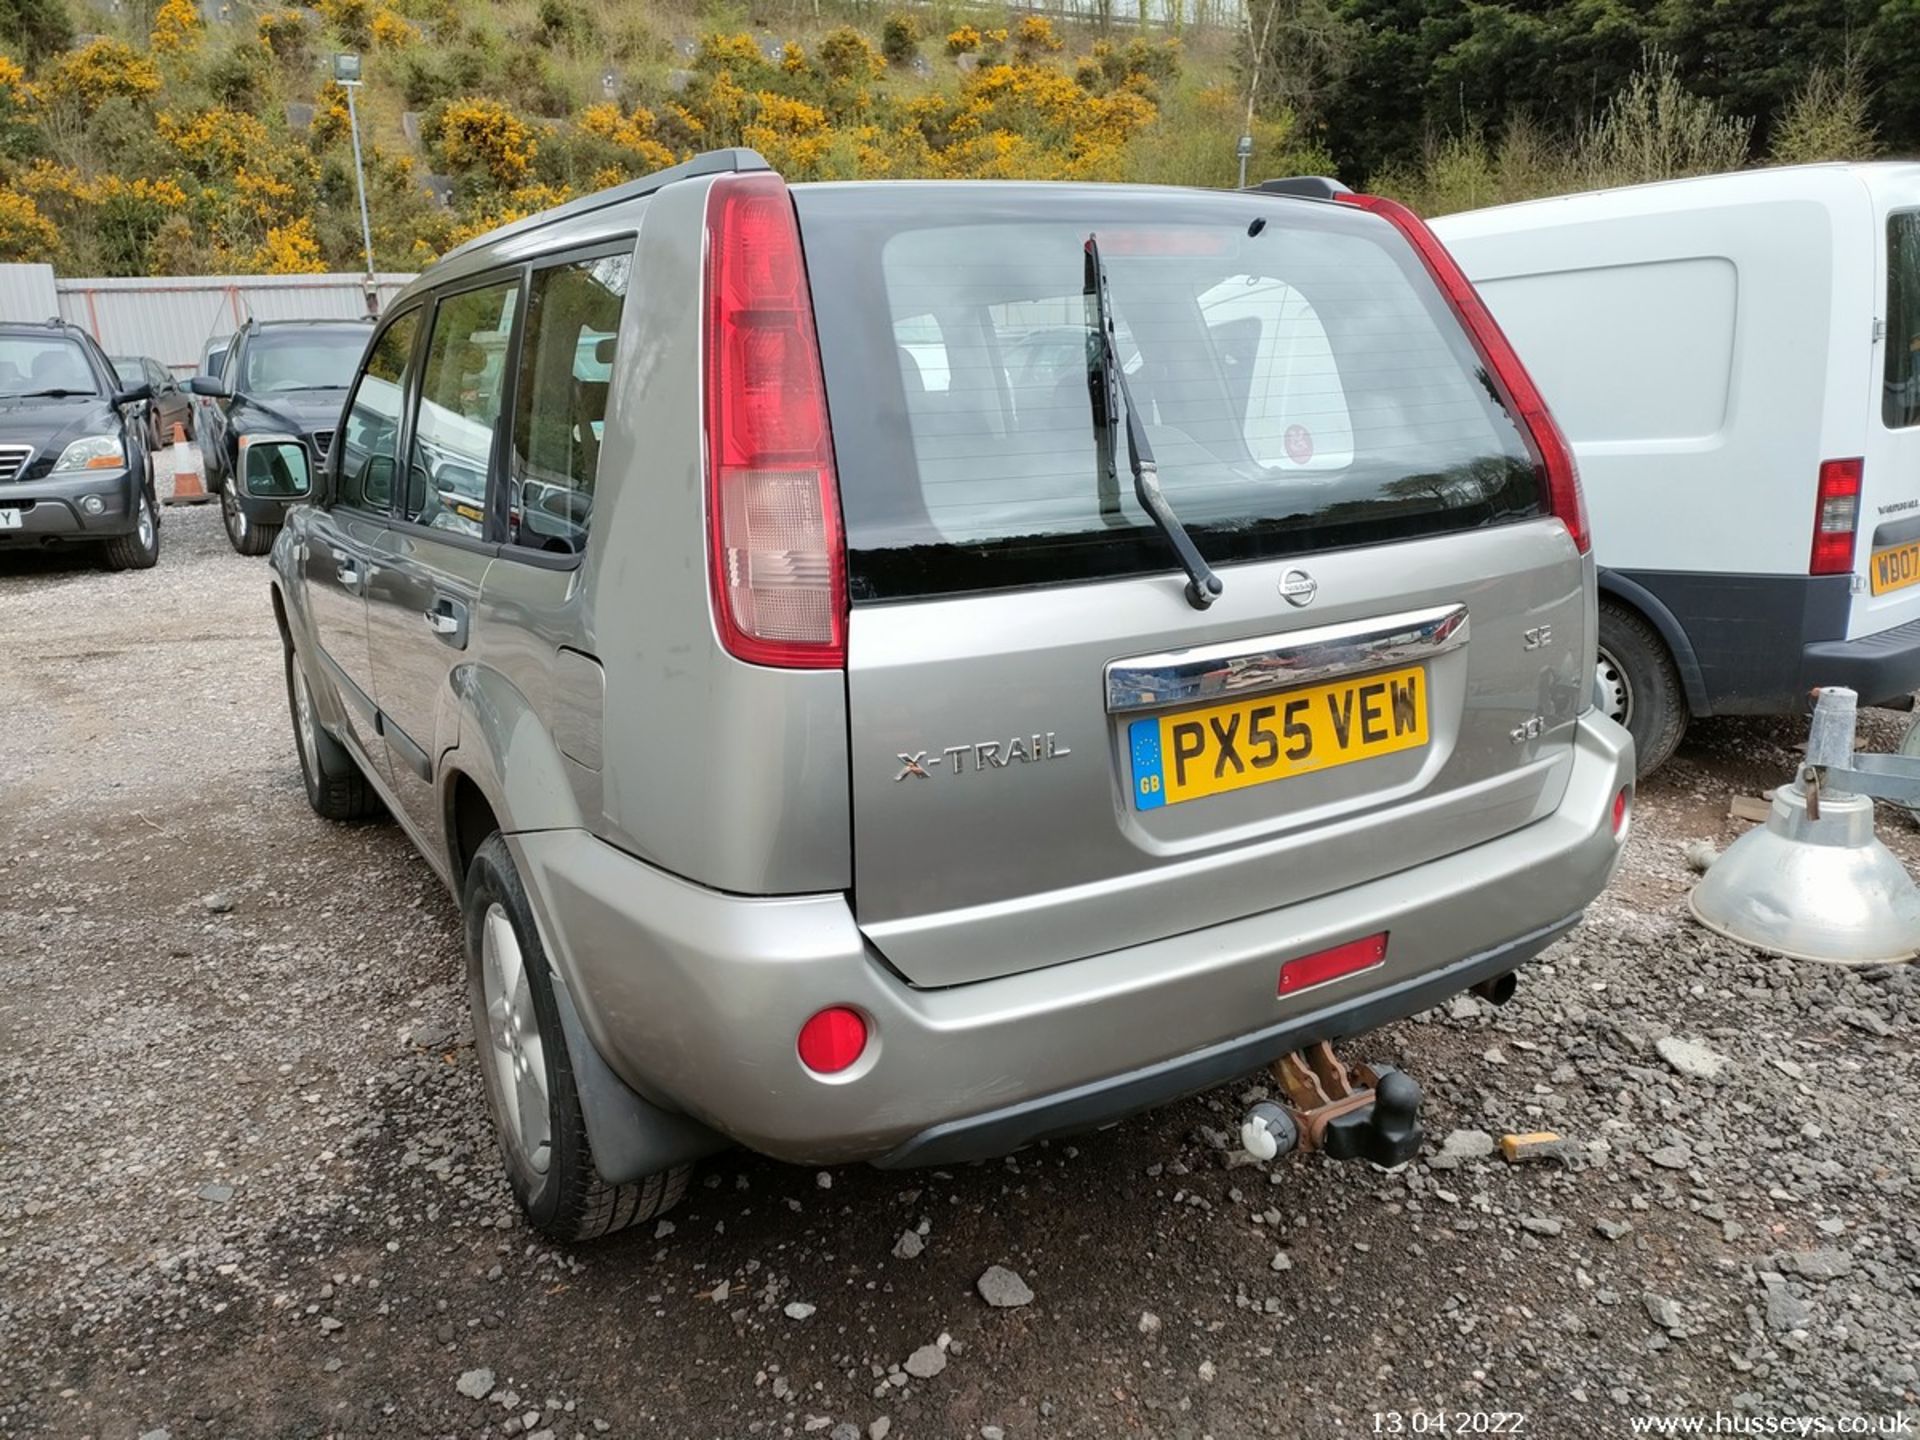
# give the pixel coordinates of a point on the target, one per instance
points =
(304, 722)
(515, 1048)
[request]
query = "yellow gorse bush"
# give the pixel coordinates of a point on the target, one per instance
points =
(791, 134)
(98, 71)
(393, 31)
(477, 131)
(352, 18)
(18, 95)
(25, 234)
(635, 132)
(283, 33)
(214, 142)
(290, 249)
(176, 27)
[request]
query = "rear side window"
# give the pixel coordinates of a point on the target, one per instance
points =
(566, 369)
(1900, 400)
(1304, 384)
(460, 393)
(369, 434)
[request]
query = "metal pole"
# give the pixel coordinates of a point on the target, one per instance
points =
(360, 177)
(1243, 170)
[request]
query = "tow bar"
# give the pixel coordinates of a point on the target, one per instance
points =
(1366, 1113)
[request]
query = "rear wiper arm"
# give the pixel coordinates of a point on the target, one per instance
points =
(1107, 373)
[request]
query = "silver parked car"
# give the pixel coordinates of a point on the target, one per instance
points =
(853, 734)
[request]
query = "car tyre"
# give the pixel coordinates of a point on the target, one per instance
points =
(336, 787)
(139, 548)
(1640, 686)
(528, 1073)
(245, 536)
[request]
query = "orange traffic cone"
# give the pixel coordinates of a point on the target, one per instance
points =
(188, 487)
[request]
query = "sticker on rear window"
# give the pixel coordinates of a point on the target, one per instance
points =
(1299, 443)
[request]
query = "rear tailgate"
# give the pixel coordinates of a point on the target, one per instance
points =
(1054, 755)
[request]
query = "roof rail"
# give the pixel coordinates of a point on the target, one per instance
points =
(710, 162)
(1307, 187)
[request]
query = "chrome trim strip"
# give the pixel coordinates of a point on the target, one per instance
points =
(1281, 662)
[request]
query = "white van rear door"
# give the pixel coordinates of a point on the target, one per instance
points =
(1887, 556)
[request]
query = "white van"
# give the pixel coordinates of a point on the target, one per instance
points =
(1736, 359)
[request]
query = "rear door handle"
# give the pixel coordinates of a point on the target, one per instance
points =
(448, 620)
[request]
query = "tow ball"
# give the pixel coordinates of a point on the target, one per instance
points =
(1366, 1113)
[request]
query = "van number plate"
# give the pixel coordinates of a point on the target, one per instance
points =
(10, 519)
(1895, 568)
(1193, 753)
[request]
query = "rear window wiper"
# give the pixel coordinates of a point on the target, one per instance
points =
(1106, 374)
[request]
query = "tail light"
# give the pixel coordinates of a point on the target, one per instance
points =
(773, 504)
(1836, 517)
(1551, 453)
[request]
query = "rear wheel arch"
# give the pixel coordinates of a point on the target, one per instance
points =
(1639, 684)
(1630, 595)
(280, 614)
(470, 818)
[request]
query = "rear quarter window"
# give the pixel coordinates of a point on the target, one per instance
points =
(1304, 385)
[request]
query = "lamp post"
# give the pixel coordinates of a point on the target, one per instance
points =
(346, 74)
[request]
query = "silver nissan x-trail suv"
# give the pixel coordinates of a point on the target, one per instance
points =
(900, 671)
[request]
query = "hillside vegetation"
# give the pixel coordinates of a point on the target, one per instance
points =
(146, 140)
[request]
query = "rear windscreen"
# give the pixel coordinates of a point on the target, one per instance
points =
(1303, 385)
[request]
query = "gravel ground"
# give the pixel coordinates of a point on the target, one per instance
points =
(248, 1190)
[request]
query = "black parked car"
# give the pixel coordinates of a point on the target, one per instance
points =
(281, 380)
(73, 453)
(170, 405)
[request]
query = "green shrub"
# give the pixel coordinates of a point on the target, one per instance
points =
(238, 75)
(846, 54)
(562, 23)
(900, 38)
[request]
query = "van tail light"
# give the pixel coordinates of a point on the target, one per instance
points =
(777, 560)
(1836, 517)
(1522, 397)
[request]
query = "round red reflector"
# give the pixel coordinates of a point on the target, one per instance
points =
(832, 1040)
(1619, 812)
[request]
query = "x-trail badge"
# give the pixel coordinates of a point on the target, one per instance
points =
(1298, 588)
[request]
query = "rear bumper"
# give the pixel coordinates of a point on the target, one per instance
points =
(694, 997)
(1879, 667)
(51, 510)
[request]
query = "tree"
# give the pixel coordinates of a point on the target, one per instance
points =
(35, 29)
(1827, 119)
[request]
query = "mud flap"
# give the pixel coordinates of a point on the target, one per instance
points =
(631, 1137)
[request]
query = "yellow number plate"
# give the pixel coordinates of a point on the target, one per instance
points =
(1896, 567)
(1252, 742)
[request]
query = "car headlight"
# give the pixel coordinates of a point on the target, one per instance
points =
(92, 452)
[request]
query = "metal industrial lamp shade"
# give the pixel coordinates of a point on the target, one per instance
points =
(1816, 889)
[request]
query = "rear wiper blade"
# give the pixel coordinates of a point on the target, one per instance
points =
(1106, 374)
